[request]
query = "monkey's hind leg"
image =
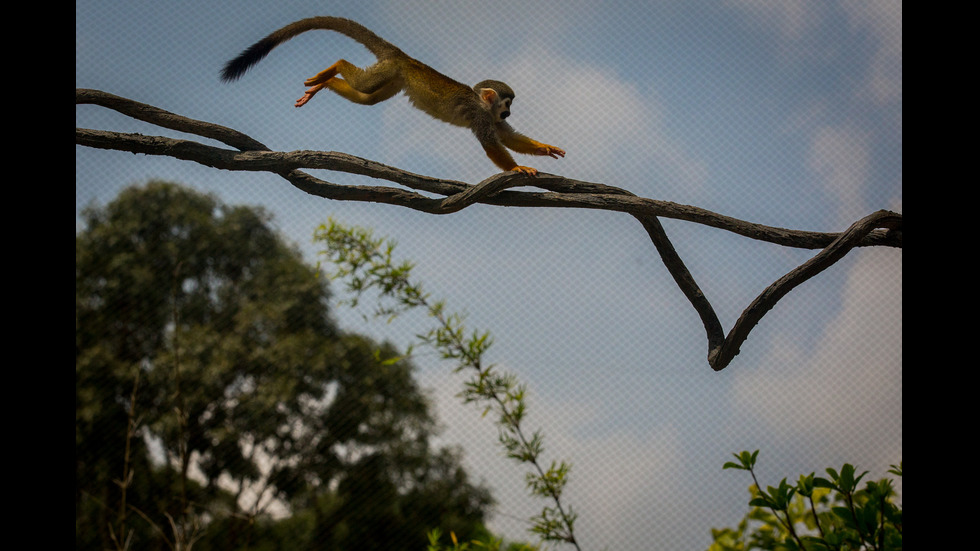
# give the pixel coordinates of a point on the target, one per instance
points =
(365, 86)
(345, 90)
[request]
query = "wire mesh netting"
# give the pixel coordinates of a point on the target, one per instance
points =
(228, 396)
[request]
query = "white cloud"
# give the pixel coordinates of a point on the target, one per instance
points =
(883, 20)
(615, 476)
(789, 18)
(619, 479)
(849, 387)
(841, 159)
(608, 124)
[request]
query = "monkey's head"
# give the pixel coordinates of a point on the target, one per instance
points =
(497, 96)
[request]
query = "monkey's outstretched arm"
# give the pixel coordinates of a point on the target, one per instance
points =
(522, 144)
(526, 145)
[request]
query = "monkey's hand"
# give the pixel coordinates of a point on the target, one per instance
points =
(550, 151)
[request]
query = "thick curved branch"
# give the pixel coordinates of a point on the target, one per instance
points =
(723, 354)
(878, 229)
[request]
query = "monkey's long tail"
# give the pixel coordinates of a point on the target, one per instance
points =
(380, 47)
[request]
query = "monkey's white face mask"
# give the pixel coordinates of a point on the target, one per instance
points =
(499, 107)
(501, 110)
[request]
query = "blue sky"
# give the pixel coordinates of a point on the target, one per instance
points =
(786, 113)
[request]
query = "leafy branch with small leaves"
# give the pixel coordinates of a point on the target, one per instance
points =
(366, 264)
(490, 543)
(816, 513)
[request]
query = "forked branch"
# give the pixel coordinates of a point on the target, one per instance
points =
(882, 228)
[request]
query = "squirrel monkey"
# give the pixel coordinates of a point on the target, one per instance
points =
(482, 108)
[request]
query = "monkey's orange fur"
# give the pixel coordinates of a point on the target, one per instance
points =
(482, 108)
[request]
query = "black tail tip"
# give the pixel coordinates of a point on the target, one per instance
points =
(235, 68)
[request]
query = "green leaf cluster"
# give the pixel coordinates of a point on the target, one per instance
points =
(816, 513)
(487, 542)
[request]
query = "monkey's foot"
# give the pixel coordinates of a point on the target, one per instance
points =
(526, 170)
(308, 95)
(323, 76)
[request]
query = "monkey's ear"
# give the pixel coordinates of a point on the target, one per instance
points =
(488, 96)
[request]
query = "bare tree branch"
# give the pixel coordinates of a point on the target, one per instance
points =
(882, 228)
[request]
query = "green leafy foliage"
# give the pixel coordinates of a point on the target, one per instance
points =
(212, 389)
(365, 263)
(816, 513)
(487, 542)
